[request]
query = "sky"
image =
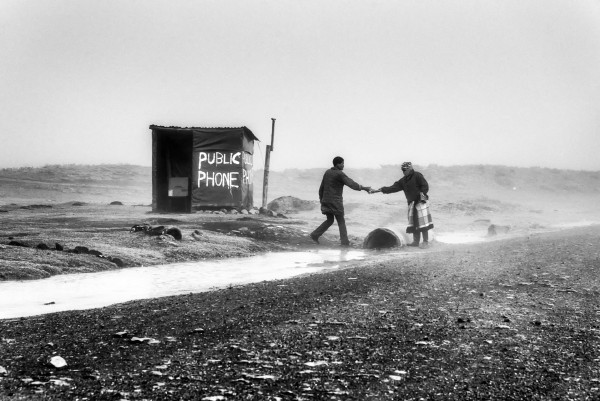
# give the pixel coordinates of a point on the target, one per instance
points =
(446, 82)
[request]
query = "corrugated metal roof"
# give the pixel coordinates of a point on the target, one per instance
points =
(174, 128)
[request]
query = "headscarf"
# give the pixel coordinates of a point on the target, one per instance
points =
(406, 166)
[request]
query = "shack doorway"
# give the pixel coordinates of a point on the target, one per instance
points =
(172, 172)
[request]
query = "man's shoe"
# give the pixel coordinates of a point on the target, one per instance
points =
(413, 244)
(424, 245)
(314, 238)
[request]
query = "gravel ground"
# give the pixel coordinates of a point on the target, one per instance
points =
(509, 319)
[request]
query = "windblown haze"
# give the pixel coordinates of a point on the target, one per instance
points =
(379, 82)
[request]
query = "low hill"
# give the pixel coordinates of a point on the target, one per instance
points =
(88, 183)
(501, 194)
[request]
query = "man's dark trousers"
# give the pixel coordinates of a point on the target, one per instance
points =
(327, 223)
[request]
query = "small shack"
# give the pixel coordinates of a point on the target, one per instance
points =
(201, 168)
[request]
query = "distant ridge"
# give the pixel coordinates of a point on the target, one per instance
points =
(133, 183)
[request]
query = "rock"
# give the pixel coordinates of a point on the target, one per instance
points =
(243, 211)
(166, 238)
(290, 204)
(17, 243)
(139, 227)
(158, 230)
(81, 249)
(78, 204)
(116, 261)
(96, 253)
(58, 247)
(42, 246)
(58, 362)
(116, 203)
(175, 232)
(495, 229)
(383, 238)
(3, 371)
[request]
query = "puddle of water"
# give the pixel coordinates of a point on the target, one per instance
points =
(94, 290)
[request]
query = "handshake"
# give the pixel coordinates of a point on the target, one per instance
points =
(371, 190)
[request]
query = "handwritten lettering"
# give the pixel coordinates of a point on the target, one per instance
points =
(218, 179)
(247, 176)
(218, 158)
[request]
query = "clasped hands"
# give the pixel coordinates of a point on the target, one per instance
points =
(371, 190)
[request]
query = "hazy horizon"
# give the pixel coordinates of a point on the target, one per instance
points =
(456, 82)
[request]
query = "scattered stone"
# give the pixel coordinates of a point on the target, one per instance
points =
(58, 362)
(96, 253)
(17, 243)
(116, 261)
(383, 238)
(290, 204)
(158, 230)
(167, 238)
(147, 340)
(244, 211)
(59, 382)
(139, 227)
(317, 363)
(81, 249)
(495, 229)
(175, 232)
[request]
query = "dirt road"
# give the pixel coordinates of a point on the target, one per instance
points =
(512, 319)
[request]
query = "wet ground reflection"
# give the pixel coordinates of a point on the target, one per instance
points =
(93, 290)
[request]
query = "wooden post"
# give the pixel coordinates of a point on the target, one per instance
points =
(267, 161)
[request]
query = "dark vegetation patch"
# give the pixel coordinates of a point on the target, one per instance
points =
(30, 207)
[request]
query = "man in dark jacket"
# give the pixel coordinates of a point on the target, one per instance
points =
(332, 202)
(415, 189)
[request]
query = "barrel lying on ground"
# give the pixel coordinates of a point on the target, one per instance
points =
(383, 238)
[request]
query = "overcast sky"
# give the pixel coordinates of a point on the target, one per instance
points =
(378, 82)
